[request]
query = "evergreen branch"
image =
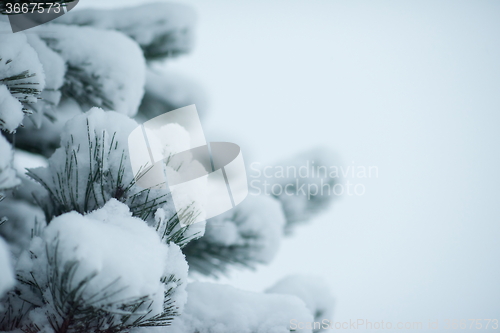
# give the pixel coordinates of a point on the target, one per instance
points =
(23, 91)
(85, 88)
(167, 232)
(213, 259)
(73, 310)
(84, 183)
(101, 184)
(12, 317)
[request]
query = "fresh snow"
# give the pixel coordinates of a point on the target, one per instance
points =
(7, 279)
(109, 60)
(161, 29)
(79, 141)
(216, 308)
(259, 217)
(312, 290)
(8, 176)
(11, 110)
(166, 91)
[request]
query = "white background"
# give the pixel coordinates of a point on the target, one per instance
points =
(411, 87)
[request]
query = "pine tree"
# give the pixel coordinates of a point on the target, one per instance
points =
(83, 248)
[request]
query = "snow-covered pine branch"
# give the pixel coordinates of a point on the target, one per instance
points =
(161, 29)
(102, 272)
(54, 69)
(46, 139)
(22, 78)
(95, 252)
(80, 64)
(247, 235)
(92, 166)
(97, 74)
(300, 204)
